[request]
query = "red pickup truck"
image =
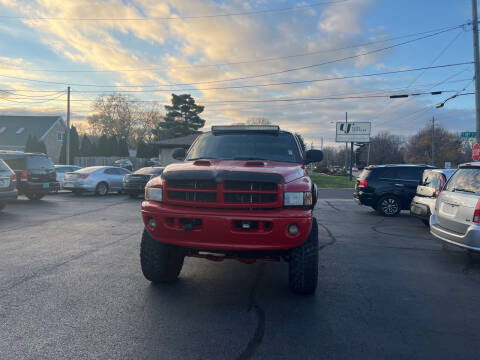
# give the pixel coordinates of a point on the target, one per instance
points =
(240, 192)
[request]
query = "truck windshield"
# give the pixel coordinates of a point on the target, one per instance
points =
(280, 147)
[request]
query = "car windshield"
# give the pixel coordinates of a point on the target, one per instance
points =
(465, 180)
(149, 171)
(89, 170)
(244, 146)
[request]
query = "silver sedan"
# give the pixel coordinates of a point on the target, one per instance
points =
(98, 179)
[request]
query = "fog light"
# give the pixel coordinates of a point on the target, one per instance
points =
(152, 223)
(293, 229)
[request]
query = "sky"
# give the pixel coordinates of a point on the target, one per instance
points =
(299, 64)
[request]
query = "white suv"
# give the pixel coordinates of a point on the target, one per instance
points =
(456, 219)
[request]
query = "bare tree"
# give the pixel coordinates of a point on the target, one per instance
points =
(122, 116)
(114, 114)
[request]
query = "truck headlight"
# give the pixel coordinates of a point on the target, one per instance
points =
(297, 199)
(154, 193)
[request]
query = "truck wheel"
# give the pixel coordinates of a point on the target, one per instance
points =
(303, 274)
(388, 205)
(34, 196)
(160, 262)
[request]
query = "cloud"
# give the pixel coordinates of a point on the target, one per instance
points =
(182, 51)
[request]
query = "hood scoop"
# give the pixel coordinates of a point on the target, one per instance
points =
(202, 163)
(255, 163)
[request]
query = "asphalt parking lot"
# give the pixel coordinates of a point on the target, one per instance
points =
(71, 288)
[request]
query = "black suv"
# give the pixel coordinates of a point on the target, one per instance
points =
(35, 173)
(8, 180)
(388, 188)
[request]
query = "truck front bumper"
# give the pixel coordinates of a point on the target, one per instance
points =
(216, 229)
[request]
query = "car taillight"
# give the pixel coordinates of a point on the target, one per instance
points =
(13, 177)
(476, 214)
(24, 176)
(82, 176)
(363, 183)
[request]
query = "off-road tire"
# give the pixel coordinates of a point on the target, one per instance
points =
(161, 263)
(34, 196)
(101, 189)
(389, 206)
(303, 272)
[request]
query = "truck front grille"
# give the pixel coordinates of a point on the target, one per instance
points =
(228, 194)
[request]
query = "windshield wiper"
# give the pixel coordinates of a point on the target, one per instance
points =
(464, 190)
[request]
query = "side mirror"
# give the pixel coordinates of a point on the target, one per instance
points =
(313, 156)
(179, 154)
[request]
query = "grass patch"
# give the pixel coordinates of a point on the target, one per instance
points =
(327, 181)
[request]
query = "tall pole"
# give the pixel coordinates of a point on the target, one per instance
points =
(351, 162)
(346, 144)
(433, 140)
(67, 145)
(368, 155)
(477, 69)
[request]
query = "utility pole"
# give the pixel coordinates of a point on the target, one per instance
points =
(368, 154)
(477, 69)
(433, 140)
(67, 145)
(346, 144)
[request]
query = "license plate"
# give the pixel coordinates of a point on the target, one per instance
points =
(449, 209)
(46, 185)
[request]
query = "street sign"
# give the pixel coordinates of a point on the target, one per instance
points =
(469, 134)
(353, 132)
(476, 152)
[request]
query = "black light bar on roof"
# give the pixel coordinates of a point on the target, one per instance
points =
(266, 129)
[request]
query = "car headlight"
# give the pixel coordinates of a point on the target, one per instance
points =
(297, 199)
(154, 193)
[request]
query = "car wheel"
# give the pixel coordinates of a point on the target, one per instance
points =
(101, 189)
(426, 222)
(303, 267)
(160, 262)
(35, 196)
(388, 205)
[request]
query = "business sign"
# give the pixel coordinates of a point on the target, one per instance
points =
(469, 134)
(353, 132)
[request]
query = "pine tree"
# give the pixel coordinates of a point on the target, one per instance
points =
(102, 147)
(182, 118)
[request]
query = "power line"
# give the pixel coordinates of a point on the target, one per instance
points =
(238, 78)
(284, 99)
(297, 82)
(207, 16)
(258, 60)
(17, 91)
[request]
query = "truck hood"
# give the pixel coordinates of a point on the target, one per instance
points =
(259, 170)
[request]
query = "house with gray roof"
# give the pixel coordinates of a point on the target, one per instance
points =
(15, 130)
(166, 147)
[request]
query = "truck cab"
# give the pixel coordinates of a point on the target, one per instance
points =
(240, 192)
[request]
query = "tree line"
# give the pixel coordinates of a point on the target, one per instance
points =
(388, 148)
